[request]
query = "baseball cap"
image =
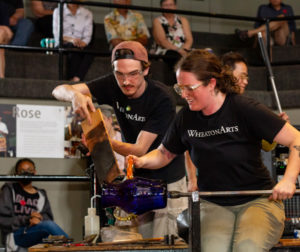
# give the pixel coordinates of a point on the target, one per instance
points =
(130, 50)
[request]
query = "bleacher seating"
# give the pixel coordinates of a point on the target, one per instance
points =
(33, 75)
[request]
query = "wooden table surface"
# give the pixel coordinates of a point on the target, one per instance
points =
(110, 247)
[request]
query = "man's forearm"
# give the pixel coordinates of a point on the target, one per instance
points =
(126, 149)
(64, 93)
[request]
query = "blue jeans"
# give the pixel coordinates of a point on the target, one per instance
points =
(22, 32)
(27, 237)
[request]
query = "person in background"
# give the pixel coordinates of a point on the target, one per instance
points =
(107, 112)
(3, 139)
(144, 109)
(282, 32)
(171, 32)
(5, 35)
(125, 25)
(43, 11)
(25, 213)
(77, 33)
(222, 130)
(239, 67)
(172, 36)
(22, 27)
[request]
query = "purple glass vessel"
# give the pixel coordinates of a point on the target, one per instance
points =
(137, 195)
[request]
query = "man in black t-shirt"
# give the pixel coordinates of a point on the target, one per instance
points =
(144, 111)
(21, 27)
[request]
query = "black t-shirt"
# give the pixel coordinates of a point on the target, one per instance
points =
(225, 146)
(12, 5)
(25, 203)
(153, 112)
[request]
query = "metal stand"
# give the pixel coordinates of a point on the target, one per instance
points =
(194, 223)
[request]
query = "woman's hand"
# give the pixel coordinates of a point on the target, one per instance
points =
(284, 189)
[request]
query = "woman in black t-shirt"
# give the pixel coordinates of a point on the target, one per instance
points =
(222, 131)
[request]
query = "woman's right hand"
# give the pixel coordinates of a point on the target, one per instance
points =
(137, 162)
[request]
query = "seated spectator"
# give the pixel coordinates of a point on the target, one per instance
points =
(5, 36)
(115, 134)
(21, 27)
(77, 33)
(171, 32)
(172, 35)
(3, 137)
(282, 32)
(43, 11)
(25, 213)
(123, 24)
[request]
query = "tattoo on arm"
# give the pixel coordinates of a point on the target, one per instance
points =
(166, 153)
(297, 147)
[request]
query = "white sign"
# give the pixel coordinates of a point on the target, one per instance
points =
(40, 131)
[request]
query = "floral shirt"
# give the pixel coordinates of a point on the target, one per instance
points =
(174, 33)
(129, 28)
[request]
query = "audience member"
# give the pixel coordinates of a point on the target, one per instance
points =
(107, 112)
(144, 109)
(5, 35)
(21, 27)
(281, 31)
(124, 25)
(3, 140)
(25, 213)
(77, 33)
(43, 11)
(171, 32)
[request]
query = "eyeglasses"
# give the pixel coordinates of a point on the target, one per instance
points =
(132, 75)
(243, 77)
(180, 88)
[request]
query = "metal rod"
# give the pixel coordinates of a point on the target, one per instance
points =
(176, 194)
(60, 42)
(268, 35)
(45, 178)
(268, 65)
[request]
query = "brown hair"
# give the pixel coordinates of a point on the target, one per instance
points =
(231, 58)
(206, 65)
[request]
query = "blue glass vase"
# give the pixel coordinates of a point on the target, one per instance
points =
(137, 195)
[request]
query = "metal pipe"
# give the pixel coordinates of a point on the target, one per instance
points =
(268, 65)
(176, 194)
(60, 42)
(45, 178)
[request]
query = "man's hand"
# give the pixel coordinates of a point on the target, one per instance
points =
(78, 43)
(82, 104)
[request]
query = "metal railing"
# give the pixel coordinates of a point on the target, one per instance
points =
(61, 50)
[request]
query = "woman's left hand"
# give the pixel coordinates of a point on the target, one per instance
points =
(284, 189)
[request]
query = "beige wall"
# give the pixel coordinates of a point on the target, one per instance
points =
(234, 7)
